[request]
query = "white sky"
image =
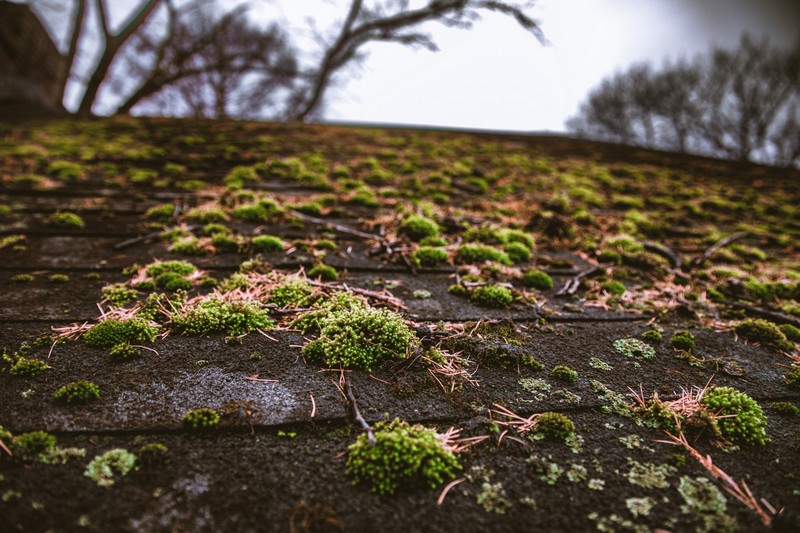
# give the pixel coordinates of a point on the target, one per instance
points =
(497, 76)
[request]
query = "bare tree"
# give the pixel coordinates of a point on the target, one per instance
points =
(393, 21)
(740, 104)
(218, 66)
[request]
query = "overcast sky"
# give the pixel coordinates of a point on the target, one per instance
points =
(497, 76)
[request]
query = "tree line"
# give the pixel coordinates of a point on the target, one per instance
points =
(741, 104)
(194, 58)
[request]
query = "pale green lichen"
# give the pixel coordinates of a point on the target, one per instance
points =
(706, 503)
(649, 475)
(492, 498)
(598, 364)
(640, 506)
(104, 467)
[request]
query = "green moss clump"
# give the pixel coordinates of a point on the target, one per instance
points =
(182, 268)
(218, 316)
(59, 278)
(65, 219)
(204, 418)
(785, 408)
(323, 272)
(614, 287)
(267, 244)
(564, 373)
(554, 426)
(433, 240)
(208, 215)
(151, 455)
(118, 294)
(22, 278)
(309, 322)
(655, 335)
(65, 170)
(748, 423)
(403, 455)
(24, 367)
(115, 331)
(225, 243)
(791, 332)
(161, 212)
(683, 340)
(172, 281)
(478, 253)
(418, 227)
(517, 252)
(793, 377)
(634, 348)
(428, 256)
(103, 468)
(261, 211)
(291, 293)
(457, 290)
(537, 280)
(124, 351)
(763, 331)
(186, 246)
(78, 392)
(360, 337)
(28, 447)
(492, 296)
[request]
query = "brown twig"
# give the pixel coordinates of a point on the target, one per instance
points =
(773, 316)
(341, 228)
(740, 491)
(663, 251)
(571, 286)
(719, 244)
(447, 488)
(351, 400)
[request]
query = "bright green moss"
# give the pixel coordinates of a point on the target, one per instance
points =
(225, 243)
(360, 337)
(403, 455)
(418, 227)
(186, 246)
(65, 219)
(183, 268)
(517, 252)
(291, 293)
(267, 244)
(65, 170)
(261, 211)
(118, 294)
(433, 240)
(554, 426)
(791, 332)
(117, 331)
(124, 351)
(78, 392)
(634, 348)
(25, 367)
(204, 418)
(428, 256)
(492, 296)
(765, 332)
(614, 288)
(478, 253)
(103, 468)
(161, 212)
(342, 301)
(683, 340)
(208, 215)
(537, 280)
(323, 272)
(654, 335)
(172, 281)
(218, 316)
(59, 278)
(240, 175)
(564, 373)
(793, 377)
(22, 278)
(29, 447)
(748, 423)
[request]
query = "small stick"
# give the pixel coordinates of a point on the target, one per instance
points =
(663, 251)
(719, 244)
(572, 285)
(341, 228)
(351, 399)
(313, 406)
